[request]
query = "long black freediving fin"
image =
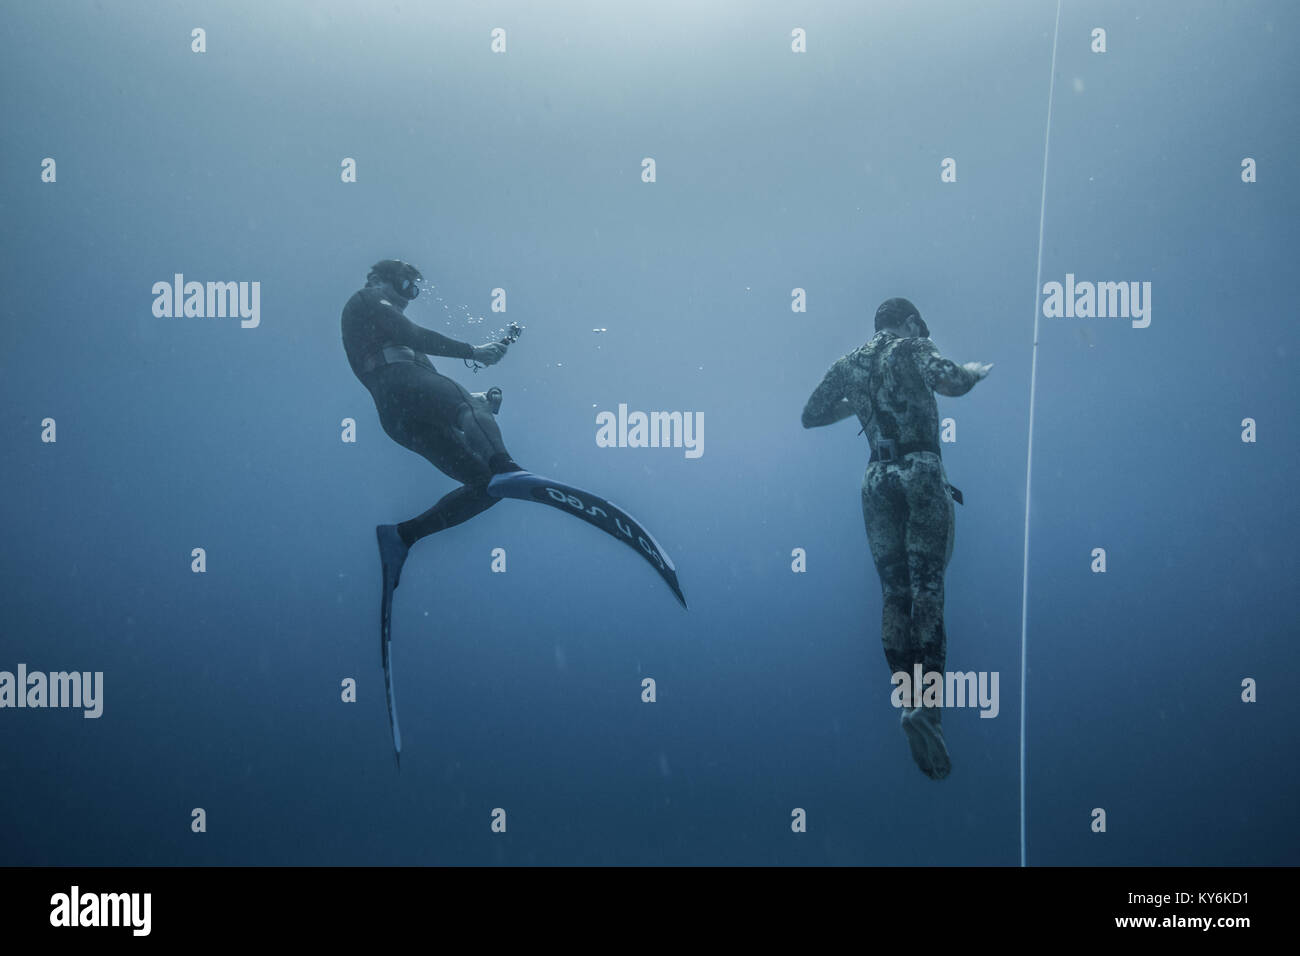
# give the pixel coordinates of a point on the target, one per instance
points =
(594, 510)
(388, 678)
(386, 634)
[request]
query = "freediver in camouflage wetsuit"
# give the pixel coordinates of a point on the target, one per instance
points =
(889, 384)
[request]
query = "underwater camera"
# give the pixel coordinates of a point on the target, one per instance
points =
(513, 331)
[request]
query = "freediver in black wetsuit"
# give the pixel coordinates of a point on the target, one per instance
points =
(432, 415)
(454, 430)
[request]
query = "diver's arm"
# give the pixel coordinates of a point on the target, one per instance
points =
(394, 328)
(405, 332)
(838, 412)
(828, 403)
(944, 375)
(400, 330)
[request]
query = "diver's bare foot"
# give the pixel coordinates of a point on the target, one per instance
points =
(916, 740)
(926, 726)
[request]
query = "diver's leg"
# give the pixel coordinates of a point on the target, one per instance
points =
(475, 421)
(458, 432)
(930, 533)
(884, 510)
(419, 409)
(884, 514)
(929, 536)
(452, 509)
(439, 420)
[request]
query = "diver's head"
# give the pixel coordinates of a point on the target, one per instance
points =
(901, 318)
(401, 278)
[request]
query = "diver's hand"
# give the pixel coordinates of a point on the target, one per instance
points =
(978, 369)
(489, 354)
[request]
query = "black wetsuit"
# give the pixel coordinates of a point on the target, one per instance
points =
(430, 414)
(906, 505)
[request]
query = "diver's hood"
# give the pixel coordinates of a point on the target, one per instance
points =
(403, 276)
(894, 312)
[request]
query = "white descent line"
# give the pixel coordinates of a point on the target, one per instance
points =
(1029, 464)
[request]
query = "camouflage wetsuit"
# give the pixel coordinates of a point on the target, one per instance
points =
(889, 384)
(430, 414)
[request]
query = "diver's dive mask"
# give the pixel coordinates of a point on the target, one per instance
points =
(407, 287)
